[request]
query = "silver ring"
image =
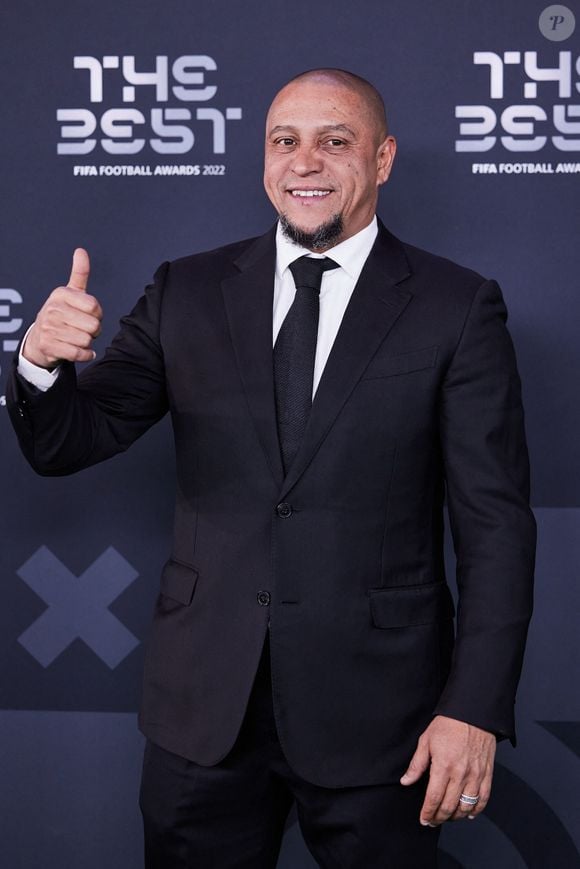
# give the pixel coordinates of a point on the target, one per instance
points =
(469, 801)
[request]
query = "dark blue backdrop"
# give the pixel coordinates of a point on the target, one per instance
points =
(493, 184)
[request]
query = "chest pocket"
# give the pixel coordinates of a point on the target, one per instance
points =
(402, 363)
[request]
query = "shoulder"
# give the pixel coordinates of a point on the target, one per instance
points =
(218, 262)
(444, 293)
(425, 271)
(432, 269)
(196, 280)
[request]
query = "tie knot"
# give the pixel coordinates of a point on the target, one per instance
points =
(307, 271)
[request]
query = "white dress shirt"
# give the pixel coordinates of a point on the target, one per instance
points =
(335, 292)
(42, 378)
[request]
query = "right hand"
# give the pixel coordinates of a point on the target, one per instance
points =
(67, 322)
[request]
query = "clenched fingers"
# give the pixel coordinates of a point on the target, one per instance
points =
(67, 323)
(66, 307)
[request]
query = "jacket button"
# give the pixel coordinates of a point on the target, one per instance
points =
(264, 598)
(284, 510)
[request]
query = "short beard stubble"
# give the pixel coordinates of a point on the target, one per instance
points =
(324, 236)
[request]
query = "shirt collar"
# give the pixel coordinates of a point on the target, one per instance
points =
(350, 254)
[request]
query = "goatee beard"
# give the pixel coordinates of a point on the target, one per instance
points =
(321, 238)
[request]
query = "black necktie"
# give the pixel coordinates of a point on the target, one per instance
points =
(294, 354)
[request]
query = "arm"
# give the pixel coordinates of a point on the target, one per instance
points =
(487, 474)
(79, 422)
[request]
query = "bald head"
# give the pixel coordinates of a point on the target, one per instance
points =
(367, 93)
(327, 152)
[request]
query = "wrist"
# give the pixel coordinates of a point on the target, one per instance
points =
(30, 352)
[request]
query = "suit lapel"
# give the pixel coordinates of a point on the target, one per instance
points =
(248, 298)
(374, 307)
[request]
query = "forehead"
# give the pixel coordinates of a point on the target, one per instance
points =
(315, 104)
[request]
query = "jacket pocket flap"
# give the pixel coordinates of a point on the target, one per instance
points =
(410, 606)
(403, 363)
(178, 581)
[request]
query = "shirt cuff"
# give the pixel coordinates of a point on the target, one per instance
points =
(39, 377)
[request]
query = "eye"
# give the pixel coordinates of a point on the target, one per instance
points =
(334, 144)
(284, 142)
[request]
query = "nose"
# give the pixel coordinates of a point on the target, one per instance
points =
(307, 160)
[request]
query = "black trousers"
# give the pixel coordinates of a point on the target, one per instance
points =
(232, 815)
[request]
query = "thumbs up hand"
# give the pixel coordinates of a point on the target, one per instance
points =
(67, 322)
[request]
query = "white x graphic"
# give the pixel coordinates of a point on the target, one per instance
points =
(78, 607)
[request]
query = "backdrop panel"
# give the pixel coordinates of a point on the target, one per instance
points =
(136, 131)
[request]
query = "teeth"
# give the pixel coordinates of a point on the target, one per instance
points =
(305, 193)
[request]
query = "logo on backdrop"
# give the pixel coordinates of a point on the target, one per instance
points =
(148, 114)
(78, 607)
(10, 325)
(529, 106)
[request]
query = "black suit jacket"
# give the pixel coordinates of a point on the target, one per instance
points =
(343, 557)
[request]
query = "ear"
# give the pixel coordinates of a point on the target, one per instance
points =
(385, 158)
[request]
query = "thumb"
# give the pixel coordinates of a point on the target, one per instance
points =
(419, 763)
(81, 267)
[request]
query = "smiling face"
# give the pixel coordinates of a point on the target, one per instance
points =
(327, 153)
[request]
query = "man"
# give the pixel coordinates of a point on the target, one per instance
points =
(302, 640)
